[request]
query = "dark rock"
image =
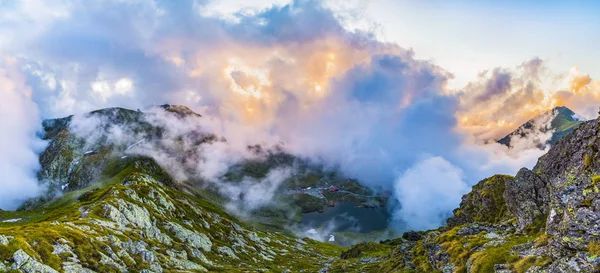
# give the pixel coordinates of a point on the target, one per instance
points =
(522, 247)
(526, 197)
(412, 235)
(473, 229)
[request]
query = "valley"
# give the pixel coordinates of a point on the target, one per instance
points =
(124, 212)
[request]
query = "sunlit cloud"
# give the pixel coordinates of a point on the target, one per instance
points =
(294, 75)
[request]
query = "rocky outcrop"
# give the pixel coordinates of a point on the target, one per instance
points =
(144, 225)
(193, 239)
(571, 168)
(411, 235)
(4, 240)
(526, 197)
(27, 264)
(484, 204)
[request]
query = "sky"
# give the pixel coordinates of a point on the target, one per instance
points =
(409, 95)
(504, 33)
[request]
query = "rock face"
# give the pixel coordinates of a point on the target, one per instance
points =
(74, 160)
(551, 224)
(526, 197)
(571, 169)
(484, 204)
(139, 220)
(141, 224)
(24, 263)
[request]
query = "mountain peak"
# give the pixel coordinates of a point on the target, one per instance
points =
(180, 110)
(563, 122)
(563, 110)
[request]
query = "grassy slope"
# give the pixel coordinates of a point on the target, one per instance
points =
(36, 235)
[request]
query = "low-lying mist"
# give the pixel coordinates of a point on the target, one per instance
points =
(425, 187)
(292, 76)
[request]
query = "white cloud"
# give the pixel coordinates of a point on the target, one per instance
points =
(293, 75)
(426, 191)
(19, 146)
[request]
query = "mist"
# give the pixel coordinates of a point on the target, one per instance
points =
(19, 144)
(289, 75)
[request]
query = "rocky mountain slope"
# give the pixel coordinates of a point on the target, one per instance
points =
(136, 222)
(138, 219)
(541, 220)
(560, 120)
(77, 157)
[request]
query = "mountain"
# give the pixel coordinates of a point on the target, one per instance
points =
(84, 150)
(139, 218)
(136, 221)
(561, 120)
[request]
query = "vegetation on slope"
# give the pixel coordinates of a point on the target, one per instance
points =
(135, 221)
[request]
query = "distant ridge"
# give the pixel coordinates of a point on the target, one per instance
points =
(563, 124)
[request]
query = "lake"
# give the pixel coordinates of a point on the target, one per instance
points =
(348, 217)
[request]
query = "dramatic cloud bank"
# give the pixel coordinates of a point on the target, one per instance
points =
(290, 75)
(19, 120)
(502, 99)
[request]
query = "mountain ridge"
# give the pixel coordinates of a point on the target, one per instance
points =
(75, 160)
(541, 220)
(561, 120)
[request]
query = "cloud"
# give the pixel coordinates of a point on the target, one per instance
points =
(426, 191)
(537, 135)
(186, 147)
(502, 99)
(19, 145)
(289, 75)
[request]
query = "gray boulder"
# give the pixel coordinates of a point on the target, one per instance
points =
(27, 264)
(526, 197)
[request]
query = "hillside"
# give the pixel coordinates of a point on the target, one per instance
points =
(560, 120)
(545, 220)
(134, 222)
(138, 218)
(78, 157)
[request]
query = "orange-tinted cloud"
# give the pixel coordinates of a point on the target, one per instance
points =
(502, 99)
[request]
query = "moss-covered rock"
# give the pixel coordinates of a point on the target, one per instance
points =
(484, 204)
(142, 224)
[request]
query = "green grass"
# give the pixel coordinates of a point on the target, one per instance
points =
(594, 248)
(596, 180)
(564, 123)
(366, 249)
(522, 265)
(485, 260)
(308, 203)
(36, 236)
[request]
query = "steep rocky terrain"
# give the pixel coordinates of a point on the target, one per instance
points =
(135, 222)
(77, 157)
(137, 218)
(545, 220)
